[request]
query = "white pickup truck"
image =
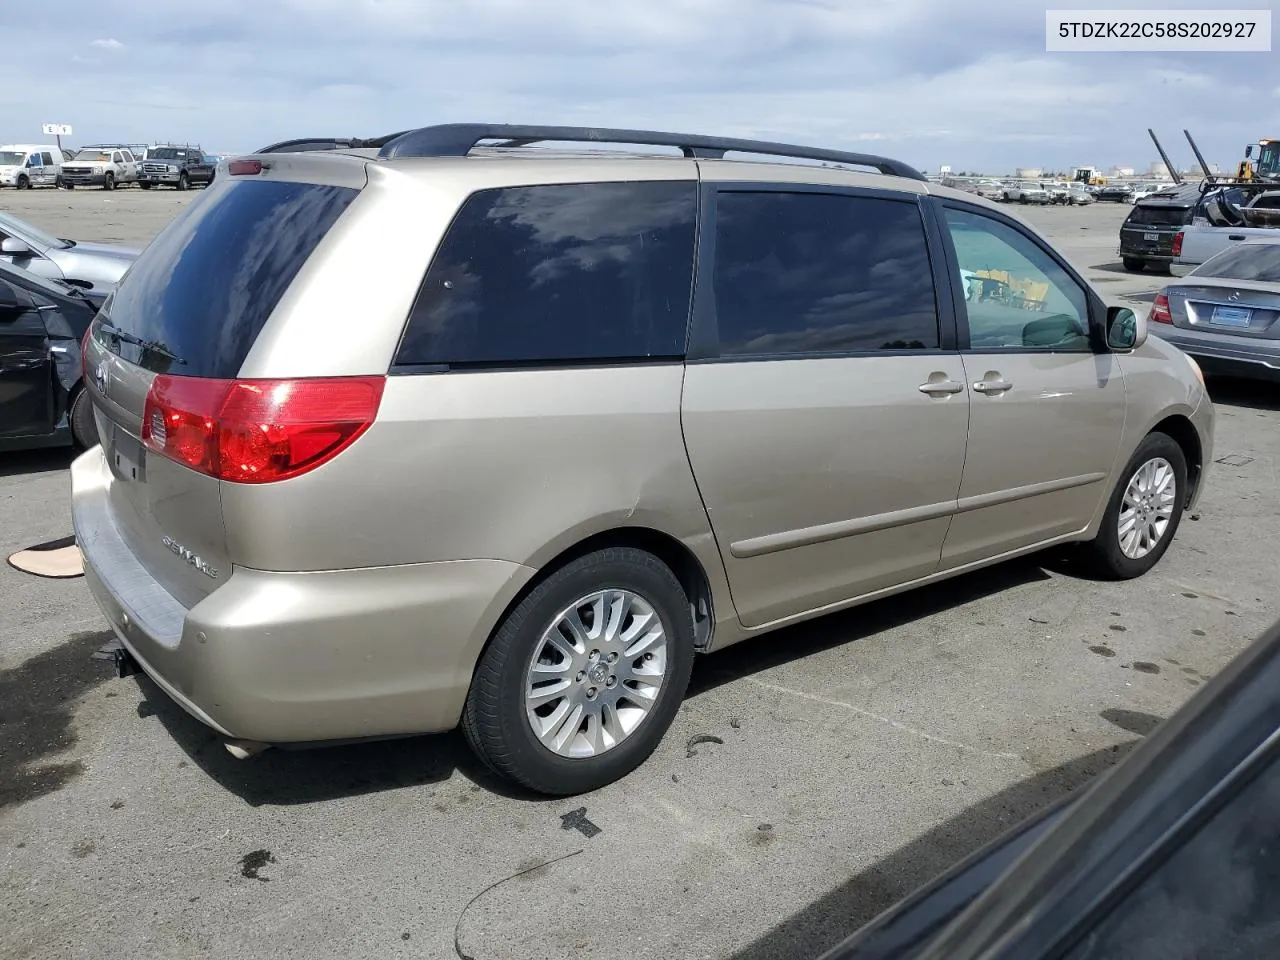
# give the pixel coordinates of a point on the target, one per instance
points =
(106, 166)
(1194, 244)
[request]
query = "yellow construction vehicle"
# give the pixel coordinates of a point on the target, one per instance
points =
(1267, 166)
(1089, 175)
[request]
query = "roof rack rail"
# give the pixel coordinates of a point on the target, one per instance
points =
(309, 144)
(458, 139)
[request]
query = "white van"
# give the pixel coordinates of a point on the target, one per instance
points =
(25, 165)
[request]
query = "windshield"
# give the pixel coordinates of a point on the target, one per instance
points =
(170, 153)
(94, 156)
(1269, 160)
(12, 158)
(21, 230)
(1249, 261)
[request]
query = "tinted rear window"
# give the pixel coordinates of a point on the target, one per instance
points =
(1144, 216)
(206, 285)
(811, 273)
(562, 273)
(1252, 261)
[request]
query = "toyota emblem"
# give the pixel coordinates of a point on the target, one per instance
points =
(1235, 295)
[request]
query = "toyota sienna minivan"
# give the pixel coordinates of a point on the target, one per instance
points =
(462, 430)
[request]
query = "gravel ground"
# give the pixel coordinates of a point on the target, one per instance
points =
(861, 753)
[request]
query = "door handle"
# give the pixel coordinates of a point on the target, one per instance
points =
(992, 387)
(941, 387)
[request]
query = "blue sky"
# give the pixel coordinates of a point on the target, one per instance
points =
(928, 81)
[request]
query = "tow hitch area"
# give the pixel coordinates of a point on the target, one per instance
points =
(116, 653)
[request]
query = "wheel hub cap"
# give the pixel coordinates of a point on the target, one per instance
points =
(1147, 508)
(595, 673)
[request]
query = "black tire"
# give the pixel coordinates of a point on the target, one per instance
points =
(1105, 554)
(24, 183)
(1133, 264)
(84, 430)
(109, 182)
(184, 183)
(57, 182)
(69, 186)
(494, 720)
(145, 186)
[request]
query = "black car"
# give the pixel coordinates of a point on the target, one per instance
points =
(1173, 854)
(1146, 236)
(42, 322)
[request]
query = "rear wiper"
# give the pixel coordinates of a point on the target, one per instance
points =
(151, 345)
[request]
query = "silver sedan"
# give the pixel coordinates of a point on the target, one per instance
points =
(91, 266)
(1226, 312)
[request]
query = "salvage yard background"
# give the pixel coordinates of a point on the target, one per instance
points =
(841, 763)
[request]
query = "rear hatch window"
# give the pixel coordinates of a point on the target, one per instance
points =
(1158, 216)
(195, 300)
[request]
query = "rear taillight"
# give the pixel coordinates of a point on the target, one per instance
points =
(1160, 310)
(1177, 244)
(243, 168)
(84, 351)
(257, 431)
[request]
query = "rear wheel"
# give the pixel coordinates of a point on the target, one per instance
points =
(84, 430)
(1133, 264)
(583, 678)
(1144, 511)
(109, 182)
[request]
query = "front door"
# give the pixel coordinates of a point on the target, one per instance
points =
(26, 367)
(1047, 405)
(824, 407)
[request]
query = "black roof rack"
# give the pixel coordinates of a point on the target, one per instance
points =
(309, 144)
(458, 139)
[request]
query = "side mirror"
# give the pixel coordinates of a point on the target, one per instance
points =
(15, 246)
(1125, 329)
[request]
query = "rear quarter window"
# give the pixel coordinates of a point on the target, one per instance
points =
(204, 288)
(559, 273)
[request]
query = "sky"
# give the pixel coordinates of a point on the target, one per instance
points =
(930, 82)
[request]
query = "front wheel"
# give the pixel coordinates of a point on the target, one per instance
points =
(580, 682)
(1144, 511)
(109, 182)
(23, 183)
(184, 183)
(145, 186)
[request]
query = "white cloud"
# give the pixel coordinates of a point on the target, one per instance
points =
(108, 44)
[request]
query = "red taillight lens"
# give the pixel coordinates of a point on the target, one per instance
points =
(1177, 244)
(244, 168)
(1160, 310)
(257, 431)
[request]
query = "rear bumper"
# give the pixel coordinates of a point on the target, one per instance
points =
(1231, 359)
(299, 657)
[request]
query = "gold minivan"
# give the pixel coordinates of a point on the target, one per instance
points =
(458, 429)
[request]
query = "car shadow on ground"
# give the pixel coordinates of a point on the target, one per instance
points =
(295, 776)
(814, 636)
(19, 462)
(283, 777)
(1238, 392)
(835, 916)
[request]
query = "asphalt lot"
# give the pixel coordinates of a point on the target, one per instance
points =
(861, 754)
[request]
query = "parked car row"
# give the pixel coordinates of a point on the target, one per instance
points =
(1031, 191)
(107, 166)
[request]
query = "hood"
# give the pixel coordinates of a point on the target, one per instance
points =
(99, 264)
(107, 250)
